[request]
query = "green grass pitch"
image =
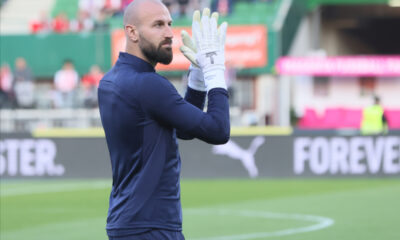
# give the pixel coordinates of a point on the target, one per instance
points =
(345, 209)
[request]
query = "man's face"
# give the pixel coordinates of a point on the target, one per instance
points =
(155, 35)
(68, 66)
(156, 53)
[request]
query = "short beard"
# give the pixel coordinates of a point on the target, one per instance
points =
(153, 54)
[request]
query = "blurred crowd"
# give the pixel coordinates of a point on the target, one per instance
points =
(19, 89)
(17, 83)
(68, 89)
(93, 15)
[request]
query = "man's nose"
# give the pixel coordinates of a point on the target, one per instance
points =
(168, 32)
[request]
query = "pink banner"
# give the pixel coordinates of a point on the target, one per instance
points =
(340, 66)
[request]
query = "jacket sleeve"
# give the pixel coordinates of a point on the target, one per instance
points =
(197, 99)
(160, 100)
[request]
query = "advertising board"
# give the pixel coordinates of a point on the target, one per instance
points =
(246, 47)
(288, 156)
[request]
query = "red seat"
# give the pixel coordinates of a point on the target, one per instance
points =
(310, 120)
(333, 118)
(393, 118)
(352, 118)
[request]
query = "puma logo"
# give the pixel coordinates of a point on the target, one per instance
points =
(246, 156)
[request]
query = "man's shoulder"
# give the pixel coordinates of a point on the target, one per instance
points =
(128, 81)
(58, 72)
(126, 72)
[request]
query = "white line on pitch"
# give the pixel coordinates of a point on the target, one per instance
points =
(319, 223)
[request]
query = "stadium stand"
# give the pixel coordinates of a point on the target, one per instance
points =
(310, 119)
(281, 18)
(393, 118)
(69, 7)
(351, 118)
(332, 118)
(342, 118)
(261, 13)
(16, 15)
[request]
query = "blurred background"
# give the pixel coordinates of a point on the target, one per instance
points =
(43, 41)
(314, 94)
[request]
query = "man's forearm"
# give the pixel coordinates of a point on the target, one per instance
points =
(197, 99)
(214, 127)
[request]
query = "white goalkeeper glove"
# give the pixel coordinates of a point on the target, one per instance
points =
(189, 48)
(195, 78)
(208, 49)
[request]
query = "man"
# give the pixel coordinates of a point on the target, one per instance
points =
(90, 83)
(143, 114)
(373, 119)
(65, 83)
(7, 97)
(24, 87)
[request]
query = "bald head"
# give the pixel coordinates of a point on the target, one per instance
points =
(147, 25)
(133, 12)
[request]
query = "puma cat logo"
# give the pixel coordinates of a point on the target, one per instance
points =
(246, 156)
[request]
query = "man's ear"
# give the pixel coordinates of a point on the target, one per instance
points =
(131, 32)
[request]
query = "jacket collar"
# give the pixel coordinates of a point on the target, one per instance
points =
(138, 64)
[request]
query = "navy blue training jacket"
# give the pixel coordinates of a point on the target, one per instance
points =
(142, 115)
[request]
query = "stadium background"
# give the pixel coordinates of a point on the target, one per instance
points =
(295, 127)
